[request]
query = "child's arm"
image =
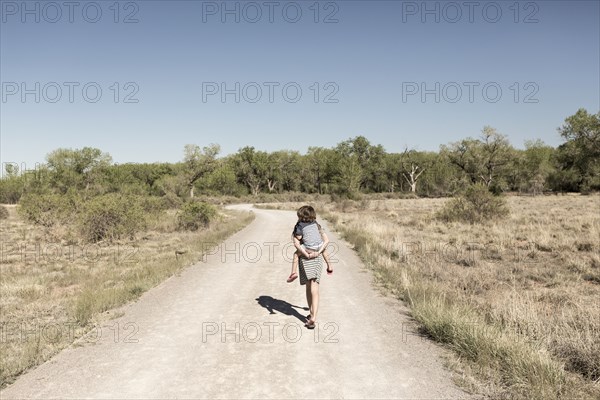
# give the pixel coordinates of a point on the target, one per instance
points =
(325, 241)
(298, 247)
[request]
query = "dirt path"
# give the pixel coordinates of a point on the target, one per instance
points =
(228, 328)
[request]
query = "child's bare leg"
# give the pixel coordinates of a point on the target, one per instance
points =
(327, 260)
(293, 274)
(295, 262)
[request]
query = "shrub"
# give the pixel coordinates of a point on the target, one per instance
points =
(3, 212)
(195, 215)
(112, 217)
(476, 205)
(11, 189)
(49, 209)
(153, 205)
(172, 200)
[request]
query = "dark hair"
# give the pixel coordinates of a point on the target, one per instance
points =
(301, 213)
(306, 214)
(312, 214)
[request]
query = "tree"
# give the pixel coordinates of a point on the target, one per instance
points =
(284, 171)
(252, 168)
(413, 166)
(77, 168)
(321, 169)
(362, 164)
(274, 164)
(537, 165)
(199, 162)
(351, 174)
(463, 155)
(223, 179)
(393, 171)
(413, 175)
(579, 156)
(496, 151)
(480, 159)
(137, 178)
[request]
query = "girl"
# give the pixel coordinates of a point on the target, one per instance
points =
(310, 241)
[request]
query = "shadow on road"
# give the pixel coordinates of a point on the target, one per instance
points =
(281, 306)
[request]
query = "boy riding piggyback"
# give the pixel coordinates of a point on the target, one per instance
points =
(309, 239)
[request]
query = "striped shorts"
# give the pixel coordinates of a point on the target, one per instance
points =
(310, 269)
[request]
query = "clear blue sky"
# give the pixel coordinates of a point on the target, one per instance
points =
(376, 56)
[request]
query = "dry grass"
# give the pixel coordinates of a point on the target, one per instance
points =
(517, 300)
(54, 291)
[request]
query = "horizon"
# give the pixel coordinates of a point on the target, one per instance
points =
(220, 155)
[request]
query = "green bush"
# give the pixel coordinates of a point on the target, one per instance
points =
(195, 215)
(172, 200)
(112, 217)
(49, 209)
(476, 205)
(11, 189)
(3, 212)
(153, 205)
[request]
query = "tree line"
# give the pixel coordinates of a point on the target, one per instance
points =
(351, 167)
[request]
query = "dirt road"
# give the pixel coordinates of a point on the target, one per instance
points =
(231, 327)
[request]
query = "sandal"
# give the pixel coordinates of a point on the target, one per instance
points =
(310, 324)
(329, 271)
(293, 276)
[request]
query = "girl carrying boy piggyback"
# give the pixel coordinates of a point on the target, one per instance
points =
(310, 241)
